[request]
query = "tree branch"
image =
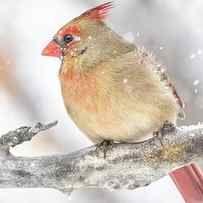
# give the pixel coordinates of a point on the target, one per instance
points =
(126, 166)
(22, 134)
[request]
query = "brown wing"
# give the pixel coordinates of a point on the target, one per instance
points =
(142, 59)
(164, 77)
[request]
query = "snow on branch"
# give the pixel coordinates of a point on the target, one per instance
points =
(126, 166)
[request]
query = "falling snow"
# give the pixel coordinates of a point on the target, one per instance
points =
(196, 91)
(199, 52)
(129, 36)
(163, 70)
(196, 82)
(137, 34)
(72, 53)
(192, 56)
(125, 80)
(90, 37)
(158, 65)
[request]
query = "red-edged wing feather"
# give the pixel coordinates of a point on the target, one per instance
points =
(100, 12)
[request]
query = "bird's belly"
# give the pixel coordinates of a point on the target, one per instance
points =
(118, 124)
(116, 115)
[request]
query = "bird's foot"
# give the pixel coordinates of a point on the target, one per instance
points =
(104, 146)
(167, 127)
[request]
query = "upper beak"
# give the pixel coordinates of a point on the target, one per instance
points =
(52, 49)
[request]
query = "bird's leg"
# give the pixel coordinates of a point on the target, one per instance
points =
(105, 145)
(166, 128)
(157, 135)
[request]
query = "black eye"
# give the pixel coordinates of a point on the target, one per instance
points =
(68, 38)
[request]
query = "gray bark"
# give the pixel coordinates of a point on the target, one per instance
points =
(126, 166)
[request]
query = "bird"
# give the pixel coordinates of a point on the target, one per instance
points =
(112, 89)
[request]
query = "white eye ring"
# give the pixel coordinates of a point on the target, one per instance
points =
(76, 38)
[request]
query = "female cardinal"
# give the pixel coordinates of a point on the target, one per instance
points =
(112, 89)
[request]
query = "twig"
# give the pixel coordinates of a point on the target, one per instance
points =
(126, 166)
(23, 134)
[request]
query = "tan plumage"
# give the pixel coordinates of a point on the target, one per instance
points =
(112, 89)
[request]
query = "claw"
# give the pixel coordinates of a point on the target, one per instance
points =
(166, 128)
(105, 145)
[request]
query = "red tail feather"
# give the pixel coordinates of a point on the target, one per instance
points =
(99, 12)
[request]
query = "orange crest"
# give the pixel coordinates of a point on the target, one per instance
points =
(100, 12)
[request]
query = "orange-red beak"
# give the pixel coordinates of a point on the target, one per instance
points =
(52, 49)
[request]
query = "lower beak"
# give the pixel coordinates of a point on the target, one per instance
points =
(52, 49)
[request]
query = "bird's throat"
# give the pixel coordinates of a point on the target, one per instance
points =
(78, 88)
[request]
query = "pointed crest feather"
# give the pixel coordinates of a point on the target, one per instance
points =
(100, 12)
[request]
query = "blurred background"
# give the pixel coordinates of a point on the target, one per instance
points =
(30, 92)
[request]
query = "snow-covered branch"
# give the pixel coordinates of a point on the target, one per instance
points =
(126, 165)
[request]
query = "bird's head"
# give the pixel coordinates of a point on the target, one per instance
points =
(78, 35)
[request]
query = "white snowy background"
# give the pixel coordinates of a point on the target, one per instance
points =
(30, 92)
